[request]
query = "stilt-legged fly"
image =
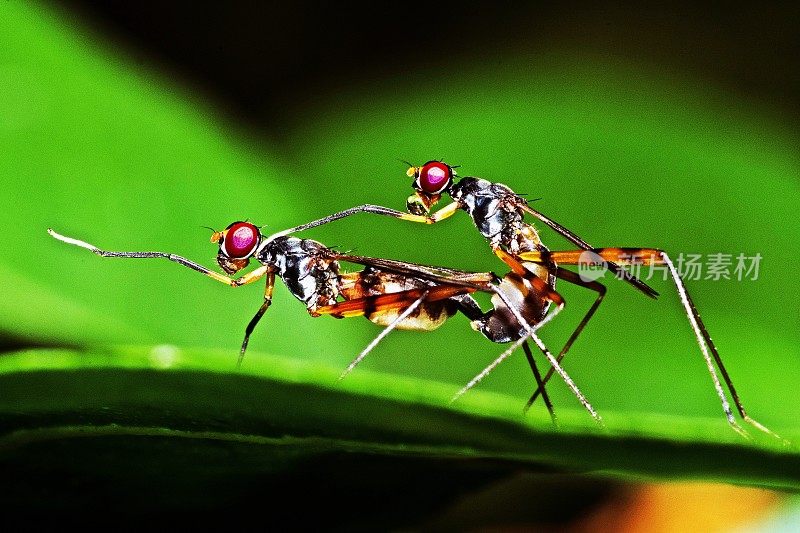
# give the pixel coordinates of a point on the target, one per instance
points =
(394, 294)
(499, 215)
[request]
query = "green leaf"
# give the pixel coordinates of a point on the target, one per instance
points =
(117, 416)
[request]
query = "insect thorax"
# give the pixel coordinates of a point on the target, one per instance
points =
(494, 208)
(497, 213)
(307, 267)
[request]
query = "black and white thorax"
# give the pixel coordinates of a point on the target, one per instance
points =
(308, 268)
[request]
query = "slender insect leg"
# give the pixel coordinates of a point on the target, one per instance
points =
(445, 212)
(653, 256)
(706, 345)
(261, 310)
(539, 383)
(247, 278)
(511, 349)
(441, 214)
(571, 277)
(577, 241)
(531, 333)
(567, 379)
(402, 316)
(366, 208)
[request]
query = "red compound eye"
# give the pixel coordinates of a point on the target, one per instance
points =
(240, 240)
(434, 177)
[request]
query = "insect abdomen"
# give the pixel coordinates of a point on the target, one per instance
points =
(372, 283)
(427, 317)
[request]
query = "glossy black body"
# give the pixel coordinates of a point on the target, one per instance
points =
(308, 268)
(492, 206)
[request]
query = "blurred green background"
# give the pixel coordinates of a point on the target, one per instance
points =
(107, 147)
(132, 128)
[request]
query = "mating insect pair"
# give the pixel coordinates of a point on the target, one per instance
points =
(499, 215)
(393, 294)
